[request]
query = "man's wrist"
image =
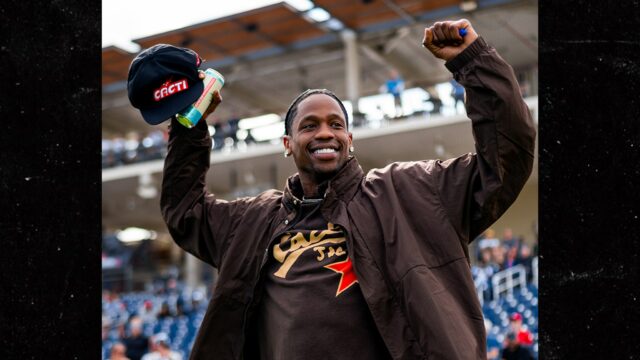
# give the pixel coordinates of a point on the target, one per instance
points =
(198, 131)
(473, 50)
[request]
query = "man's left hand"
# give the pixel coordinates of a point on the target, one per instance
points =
(443, 39)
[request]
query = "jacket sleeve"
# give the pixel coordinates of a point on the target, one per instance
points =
(476, 189)
(198, 222)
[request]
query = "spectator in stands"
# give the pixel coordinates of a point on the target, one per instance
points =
(511, 258)
(137, 344)
(249, 139)
(146, 312)
(131, 146)
(162, 349)
(435, 100)
(117, 352)
(164, 311)
(197, 297)
(498, 257)
(509, 241)
(395, 87)
(287, 287)
(484, 270)
(457, 93)
(106, 326)
(515, 324)
(232, 130)
(513, 350)
(525, 259)
(218, 135)
(114, 308)
(108, 158)
(182, 308)
(487, 240)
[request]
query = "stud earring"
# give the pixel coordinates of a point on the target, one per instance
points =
(351, 149)
(286, 153)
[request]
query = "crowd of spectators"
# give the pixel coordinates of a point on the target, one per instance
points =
(133, 148)
(131, 324)
(493, 255)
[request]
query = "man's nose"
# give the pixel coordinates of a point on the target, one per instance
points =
(324, 131)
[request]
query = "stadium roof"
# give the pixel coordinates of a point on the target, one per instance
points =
(268, 55)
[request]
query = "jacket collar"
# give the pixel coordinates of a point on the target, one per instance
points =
(341, 187)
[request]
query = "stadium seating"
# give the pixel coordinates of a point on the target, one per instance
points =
(182, 329)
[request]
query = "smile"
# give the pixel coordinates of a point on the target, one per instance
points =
(324, 151)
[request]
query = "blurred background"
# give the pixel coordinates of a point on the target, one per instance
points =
(403, 106)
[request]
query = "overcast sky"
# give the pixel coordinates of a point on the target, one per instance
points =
(125, 20)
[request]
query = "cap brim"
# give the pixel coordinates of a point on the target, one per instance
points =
(173, 105)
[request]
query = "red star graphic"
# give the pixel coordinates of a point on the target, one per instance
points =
(347, 276)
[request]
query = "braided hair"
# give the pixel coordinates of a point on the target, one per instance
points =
(293, 108)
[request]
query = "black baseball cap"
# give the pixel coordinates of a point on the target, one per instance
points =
(163, 80)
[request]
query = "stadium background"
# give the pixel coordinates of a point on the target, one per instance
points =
(268, 55)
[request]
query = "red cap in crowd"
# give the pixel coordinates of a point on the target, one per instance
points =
(515, 316)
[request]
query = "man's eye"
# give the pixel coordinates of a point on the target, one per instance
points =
(337, 125)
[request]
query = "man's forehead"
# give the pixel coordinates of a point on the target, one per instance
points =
(319, 102)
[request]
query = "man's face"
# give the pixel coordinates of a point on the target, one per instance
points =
(516, 325)
(319, 140)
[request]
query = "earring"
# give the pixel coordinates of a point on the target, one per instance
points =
(286, 153)
(351, 149)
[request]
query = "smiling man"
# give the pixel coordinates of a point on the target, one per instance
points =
(344, 264)
(318, 140)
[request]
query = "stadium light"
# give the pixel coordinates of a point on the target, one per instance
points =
(301, 5)
(318, 15)
(133, 235)
(258, 121)
(468, 5)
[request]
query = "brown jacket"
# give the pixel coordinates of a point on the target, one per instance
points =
(408, 225)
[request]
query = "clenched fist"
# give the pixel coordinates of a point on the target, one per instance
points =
(443, 39)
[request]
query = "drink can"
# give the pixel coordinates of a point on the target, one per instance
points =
(190, 116)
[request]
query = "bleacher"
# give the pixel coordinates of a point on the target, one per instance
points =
(523, 301)
(182, 329)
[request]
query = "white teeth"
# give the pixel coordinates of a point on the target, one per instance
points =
(324, 151)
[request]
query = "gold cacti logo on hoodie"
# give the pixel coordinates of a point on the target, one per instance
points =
(315, 240)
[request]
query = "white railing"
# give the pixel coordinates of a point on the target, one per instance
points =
(507, 280)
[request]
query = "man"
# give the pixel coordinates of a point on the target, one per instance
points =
(512, 349)
(524, 336)
(509, 241)
(344, 264)
(136, 343)
(162, 349)
(395, 86)
(118, 351)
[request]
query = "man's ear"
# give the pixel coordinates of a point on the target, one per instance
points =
(285, 142)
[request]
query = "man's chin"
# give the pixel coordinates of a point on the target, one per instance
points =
(326, 172)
